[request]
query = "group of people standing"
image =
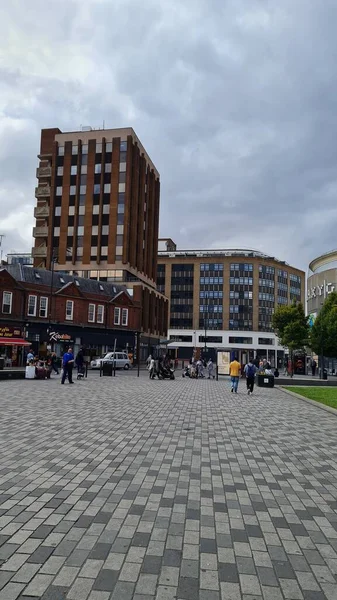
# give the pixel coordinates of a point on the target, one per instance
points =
(51, 362)
(196, 369)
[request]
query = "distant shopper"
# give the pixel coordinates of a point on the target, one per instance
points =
(68, 365)
(80, 361)
(30, 355)
(152, 368)
(210, 368)
(53, 363)
(313, 367)
(200, 369)
(148, 360)
(250, 371)
(234, 371)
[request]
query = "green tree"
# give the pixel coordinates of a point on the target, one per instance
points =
(291, 327)
(323, 338)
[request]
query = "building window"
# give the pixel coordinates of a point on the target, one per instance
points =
(59, 190)
(73, 170)
(211, 339)
(240, 340)
(91, 313)
(72, 190)
(107, 188)
(121, 187)
(7, 303)
(57, 211)
(32, 302)
(60, 151)
(100, 313)
(85, 149)
(69, 310)
(107, 168)
(108, 147)
(43, 307)
(97, 188)
(123, 146)
(60, 171)
(266, 341)
(117, 315)
(125, 316)
(98, 168)
(83, 189)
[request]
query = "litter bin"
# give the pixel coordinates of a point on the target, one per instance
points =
(325, 374)
(2, 364)
(107, 369)
(265, 381)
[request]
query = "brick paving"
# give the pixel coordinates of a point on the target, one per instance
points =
(120, 489)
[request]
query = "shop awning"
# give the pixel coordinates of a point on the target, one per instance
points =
(13, 342)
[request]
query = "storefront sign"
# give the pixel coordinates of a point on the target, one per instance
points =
(321, 290)
(54, 336)
(223, 361)
(10, 332)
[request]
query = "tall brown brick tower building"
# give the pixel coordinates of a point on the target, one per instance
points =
(97, 206)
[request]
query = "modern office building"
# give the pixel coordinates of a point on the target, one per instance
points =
(322, 280)
(226, 299)
(97, 215)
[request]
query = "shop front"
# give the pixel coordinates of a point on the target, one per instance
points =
(12, 346)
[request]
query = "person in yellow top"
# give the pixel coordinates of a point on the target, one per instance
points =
(235, 372)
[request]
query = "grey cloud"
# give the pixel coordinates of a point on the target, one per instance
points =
(234, 101)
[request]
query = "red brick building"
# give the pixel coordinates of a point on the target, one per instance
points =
(56, 309)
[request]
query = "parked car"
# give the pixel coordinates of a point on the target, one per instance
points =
(122, 361)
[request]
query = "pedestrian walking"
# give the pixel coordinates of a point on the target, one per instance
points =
(234, 371)
(250, 371)
(80, 361)
(68, 365)
(152, 368)
(53, 363)
(313, 367)
(210, 368)
(148, 360)
(200, 369)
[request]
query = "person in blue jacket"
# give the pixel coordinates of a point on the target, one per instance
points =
(68, 365)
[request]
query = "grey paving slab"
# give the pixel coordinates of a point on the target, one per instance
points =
(129, 489)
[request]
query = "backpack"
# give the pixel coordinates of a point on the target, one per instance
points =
(250, 371)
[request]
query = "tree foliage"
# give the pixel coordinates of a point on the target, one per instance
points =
(291, 326)
(323, 338)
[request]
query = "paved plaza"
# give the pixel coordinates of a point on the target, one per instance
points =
(120, 489)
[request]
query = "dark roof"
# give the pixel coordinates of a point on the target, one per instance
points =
(44, 277)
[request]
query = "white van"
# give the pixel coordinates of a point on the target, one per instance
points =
(122, 361)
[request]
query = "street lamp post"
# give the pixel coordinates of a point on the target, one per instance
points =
(205, 323)
(53, 261)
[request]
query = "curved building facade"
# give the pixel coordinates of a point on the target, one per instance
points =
(322, 280)
(226, 298)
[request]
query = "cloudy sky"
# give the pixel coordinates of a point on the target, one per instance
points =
(234, 100)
